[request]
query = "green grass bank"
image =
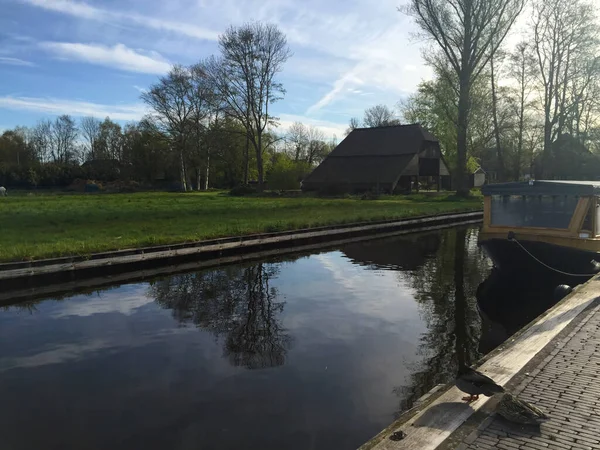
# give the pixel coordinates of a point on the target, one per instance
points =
(52, 225)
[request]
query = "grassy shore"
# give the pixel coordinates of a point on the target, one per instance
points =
(43, 226)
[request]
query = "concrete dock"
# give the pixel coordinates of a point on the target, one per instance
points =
(553, 363)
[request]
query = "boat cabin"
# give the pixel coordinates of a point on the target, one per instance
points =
(566, 208)
(554, 225)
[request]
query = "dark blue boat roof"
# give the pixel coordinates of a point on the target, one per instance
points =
(544, 187)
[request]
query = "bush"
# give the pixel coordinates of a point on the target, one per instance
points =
(332, 190)
(285, 174)
(241, 190)
(370, 195)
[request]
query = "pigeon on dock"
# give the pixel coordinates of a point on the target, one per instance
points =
(475, 384)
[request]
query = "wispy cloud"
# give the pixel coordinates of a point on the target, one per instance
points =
(379, 64)
(56, 106)
(118, 56)
(15, 61)
(86, 11)
(140, 89)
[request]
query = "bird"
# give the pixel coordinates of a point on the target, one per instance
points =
(516, 410)
(475, 384)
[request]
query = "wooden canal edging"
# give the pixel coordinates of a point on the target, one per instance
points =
(20, 280)
(433, 421)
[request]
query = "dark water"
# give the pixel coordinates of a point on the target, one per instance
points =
(312, 352)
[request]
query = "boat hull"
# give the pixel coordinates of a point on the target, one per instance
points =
(510, 257)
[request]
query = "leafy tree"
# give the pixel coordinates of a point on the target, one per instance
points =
(467, 33)
(172, 101)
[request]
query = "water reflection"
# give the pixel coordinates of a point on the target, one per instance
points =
(445, 289)
(508, 303)
(236, 304)
(315, 351)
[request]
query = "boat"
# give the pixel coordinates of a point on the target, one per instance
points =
(538, 228)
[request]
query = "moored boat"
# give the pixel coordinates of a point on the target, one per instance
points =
(538, 227)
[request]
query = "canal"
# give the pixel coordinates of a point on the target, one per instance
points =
(313, 351)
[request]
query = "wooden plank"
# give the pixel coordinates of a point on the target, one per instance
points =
(431, 426)
(578, 217)
(238, 244)
(487, 212)
(589, 244)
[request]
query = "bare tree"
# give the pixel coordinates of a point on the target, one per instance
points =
(379, 116)
(468, 33)
(584, 95)
(41, 137)
(207, 108)
(110, 140)
(297, 137)
(90, 130)
(317, 147)
(353, 125)
(253, 54)
(64, 139)
(564, 35)
(520, 72)
(172, 100)
(497, 139)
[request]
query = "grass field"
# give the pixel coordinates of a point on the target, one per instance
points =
(42, 226)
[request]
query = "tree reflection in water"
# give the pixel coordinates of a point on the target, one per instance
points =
(445, 288)
(236, 304)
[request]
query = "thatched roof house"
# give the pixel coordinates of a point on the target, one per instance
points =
(384, 159)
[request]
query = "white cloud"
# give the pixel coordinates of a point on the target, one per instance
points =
(15, 61)
(358, 45)
(76, 108)
(115, 301)
(140, 89)
(85, 11)
(118, 56)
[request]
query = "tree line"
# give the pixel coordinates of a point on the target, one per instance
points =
(210, 125)
(528, 110)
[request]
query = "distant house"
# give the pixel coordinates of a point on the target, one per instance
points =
(386, 159)
(567, 159)
(478, 177)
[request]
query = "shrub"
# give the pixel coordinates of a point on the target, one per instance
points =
(241, 190)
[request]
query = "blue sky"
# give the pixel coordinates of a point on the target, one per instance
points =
(94, 57)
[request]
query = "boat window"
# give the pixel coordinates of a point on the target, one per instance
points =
(545, 211)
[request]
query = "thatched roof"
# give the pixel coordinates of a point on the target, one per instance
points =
(384, 141)
(372, 155)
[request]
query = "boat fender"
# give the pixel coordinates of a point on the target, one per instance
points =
(595, 266)
(561, 291)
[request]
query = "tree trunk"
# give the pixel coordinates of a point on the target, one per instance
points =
(259, 162)
(461, 330)
(247, 159)
(521, 127)
(499, 153)
(462, 188)
(207, 171)
(547, 146)
(182, 172)
(198, 178)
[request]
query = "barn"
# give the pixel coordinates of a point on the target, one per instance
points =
(385, 159)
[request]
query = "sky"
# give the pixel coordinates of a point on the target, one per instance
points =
(95, 57)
